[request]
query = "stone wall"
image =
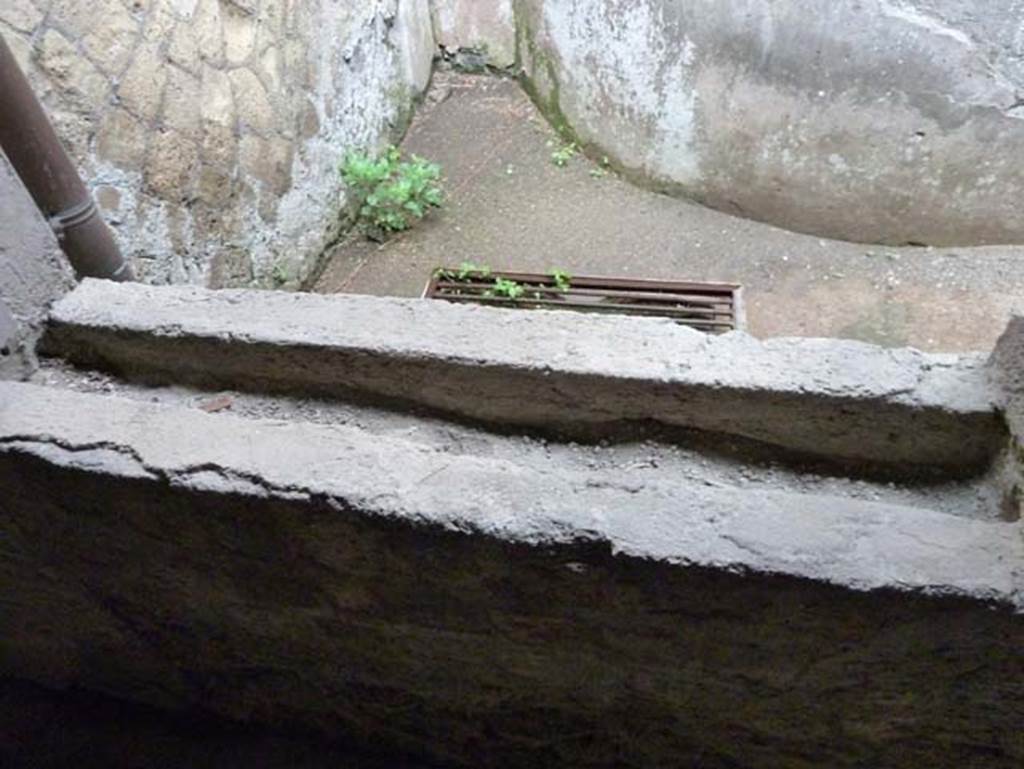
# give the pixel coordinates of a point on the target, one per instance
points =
(211, 130)
(33, 273)
(896, 121)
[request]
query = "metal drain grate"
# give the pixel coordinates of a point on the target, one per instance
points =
(711, 307)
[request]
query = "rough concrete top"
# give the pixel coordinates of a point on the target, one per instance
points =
(574, 343)
(840, 398)
(861, 545)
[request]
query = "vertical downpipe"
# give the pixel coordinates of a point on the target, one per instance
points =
(38, 157)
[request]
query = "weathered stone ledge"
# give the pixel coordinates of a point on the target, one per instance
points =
(854, 543)
(295, 574)
(832, 398)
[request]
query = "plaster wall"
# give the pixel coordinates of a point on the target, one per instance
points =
(33, 273)
(211, 130)
(895, 121)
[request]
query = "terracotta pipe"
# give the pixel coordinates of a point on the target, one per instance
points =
(35, 152)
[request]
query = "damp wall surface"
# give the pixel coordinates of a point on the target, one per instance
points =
(867, 120)
(33, 273)
(210, 131)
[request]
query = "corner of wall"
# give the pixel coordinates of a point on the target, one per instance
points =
(476, 34)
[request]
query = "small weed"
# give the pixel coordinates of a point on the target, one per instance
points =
(395, 194)
(510, 289)
(564, 153)
(279, 275)
(466, 271)
(603, 170)
(563, 280)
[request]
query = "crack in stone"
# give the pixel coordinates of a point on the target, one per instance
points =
(173, 477)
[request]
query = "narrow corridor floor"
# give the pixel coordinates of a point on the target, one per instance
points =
(509, 206)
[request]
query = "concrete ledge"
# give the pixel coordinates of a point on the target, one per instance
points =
(548, 370)
(299, 574)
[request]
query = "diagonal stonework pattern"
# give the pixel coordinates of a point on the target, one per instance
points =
(211, 130)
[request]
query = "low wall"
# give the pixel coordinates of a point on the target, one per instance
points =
(546, 370)
(490, 601)
(211, 130)
(487, 614)
(895, 121)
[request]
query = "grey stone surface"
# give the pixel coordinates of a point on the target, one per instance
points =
(1008, 367)
(645, 454)
(1007, 364)
(33, 273)
(8, 329)
(296, 574)
(845, 400)
(888, 121)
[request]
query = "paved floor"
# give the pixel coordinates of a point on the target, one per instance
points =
(510, 207)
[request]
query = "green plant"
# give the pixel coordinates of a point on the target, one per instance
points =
(466, 271)
(563, 280)
(564, 153)
(510, 289)
(279, 274)
(394, 194)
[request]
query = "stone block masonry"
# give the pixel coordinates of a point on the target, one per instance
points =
(211, 130)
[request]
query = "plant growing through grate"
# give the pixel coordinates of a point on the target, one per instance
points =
(710, 307)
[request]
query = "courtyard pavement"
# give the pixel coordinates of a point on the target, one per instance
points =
(510, 207)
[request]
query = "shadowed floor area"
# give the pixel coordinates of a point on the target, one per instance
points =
(43, 729)
(510, 207)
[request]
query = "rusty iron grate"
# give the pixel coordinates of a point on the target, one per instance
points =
(711, 307)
